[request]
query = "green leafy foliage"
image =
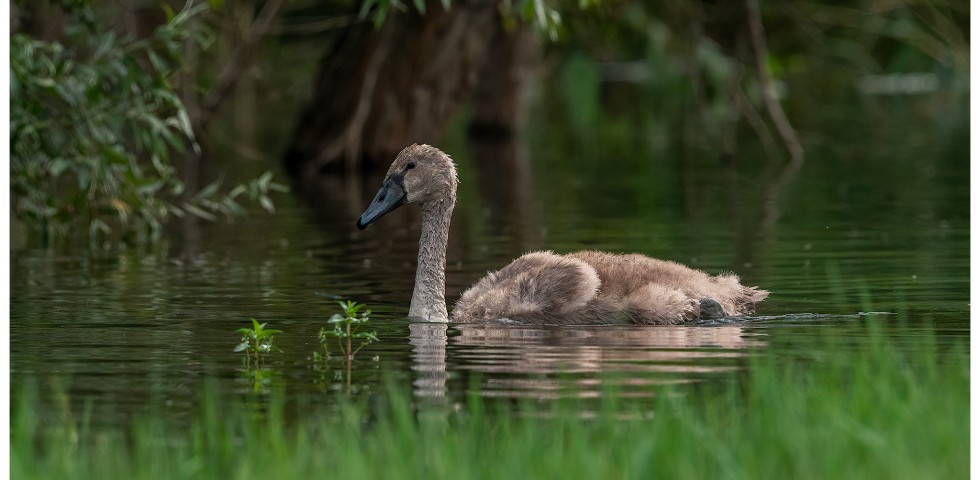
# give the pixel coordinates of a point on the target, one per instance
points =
(544, 16)
(257, 341)
(346, 328)
(95, 126)
(378, 9)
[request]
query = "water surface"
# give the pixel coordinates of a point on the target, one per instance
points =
(875, 221)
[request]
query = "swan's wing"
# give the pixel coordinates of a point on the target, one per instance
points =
(661, 291)
(536, 283)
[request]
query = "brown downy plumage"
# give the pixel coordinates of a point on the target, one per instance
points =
(579, 288)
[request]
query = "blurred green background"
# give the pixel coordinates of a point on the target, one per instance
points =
(124, 113)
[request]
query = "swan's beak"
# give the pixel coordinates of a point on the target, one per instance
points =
(390, 197)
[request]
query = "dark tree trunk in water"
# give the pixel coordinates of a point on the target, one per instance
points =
(380, 90)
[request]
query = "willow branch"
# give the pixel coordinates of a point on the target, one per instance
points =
(240, 60)
(776, 113)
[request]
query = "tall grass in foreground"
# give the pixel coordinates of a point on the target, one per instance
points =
(875, 412)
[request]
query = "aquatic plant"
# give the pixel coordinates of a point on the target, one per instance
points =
(346, 328)
(257, 341)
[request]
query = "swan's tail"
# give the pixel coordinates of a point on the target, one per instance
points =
(747, 298)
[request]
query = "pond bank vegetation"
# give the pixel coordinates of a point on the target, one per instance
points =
(889, 409)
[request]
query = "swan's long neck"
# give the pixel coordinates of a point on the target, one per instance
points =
(429, 297)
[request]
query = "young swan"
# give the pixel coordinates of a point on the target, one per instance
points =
(585, 287)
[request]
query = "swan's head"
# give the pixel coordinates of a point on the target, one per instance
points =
(420, 174)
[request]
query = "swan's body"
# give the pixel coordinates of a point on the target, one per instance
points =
(585, 287)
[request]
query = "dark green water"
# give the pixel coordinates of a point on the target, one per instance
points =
(876, 220)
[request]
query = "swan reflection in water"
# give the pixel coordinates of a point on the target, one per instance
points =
(551, 362)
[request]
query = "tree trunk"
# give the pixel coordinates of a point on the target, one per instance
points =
(380, 90)
(500, 100)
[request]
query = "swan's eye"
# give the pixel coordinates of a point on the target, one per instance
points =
(410, 165)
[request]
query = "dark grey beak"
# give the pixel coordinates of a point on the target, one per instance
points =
(389, 197)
